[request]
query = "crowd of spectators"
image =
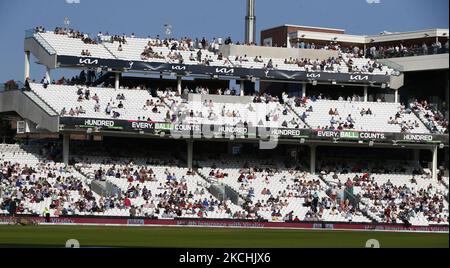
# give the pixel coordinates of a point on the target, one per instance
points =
(398, 119)
(400, 50)
(399, 204)
(71, 33)
(433, 119)
(148, 53)
(23, 185)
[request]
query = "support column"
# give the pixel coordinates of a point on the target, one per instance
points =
(434, 164)
(27, 65)
(416, 155)
(446, 94)
(312, 160)
(190, 153)
(366, 97)
(47, 75)
(66, 148)
(303, 90)
(242, 88)
(396, 96)
(117, 84)
(179, 85)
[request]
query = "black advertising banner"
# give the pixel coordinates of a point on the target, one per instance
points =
(181, 130)
(71, 61)
(351, 135)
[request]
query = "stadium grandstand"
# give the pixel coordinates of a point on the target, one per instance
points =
(294, 132)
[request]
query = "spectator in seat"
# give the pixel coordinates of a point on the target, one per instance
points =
(332, 120)
(108, 109)
(96, 107)
(350, 119)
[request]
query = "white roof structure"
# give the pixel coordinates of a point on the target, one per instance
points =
(367, 39)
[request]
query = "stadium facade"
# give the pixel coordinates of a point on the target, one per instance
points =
(138, 91)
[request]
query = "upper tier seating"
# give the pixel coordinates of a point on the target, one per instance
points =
(133, 48)
(137, 105)
(79, 101)
(433, 119)
(64, 45)
(170, 51)
(382, 119)
(272, 114)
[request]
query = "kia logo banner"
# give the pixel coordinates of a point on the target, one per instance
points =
(275, 74)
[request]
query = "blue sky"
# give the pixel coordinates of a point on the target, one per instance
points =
(209, 18)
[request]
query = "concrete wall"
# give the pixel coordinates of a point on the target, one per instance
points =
(276, 52)
(16, 101)
(279, 35)
(40, 53)
(418, 63)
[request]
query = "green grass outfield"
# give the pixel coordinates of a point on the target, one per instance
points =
(56, 236)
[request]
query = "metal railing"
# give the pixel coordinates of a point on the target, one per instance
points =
(222, 191)
(30, 33)
(351, 197)
(390, 64)
(388, 54)
(11, 85)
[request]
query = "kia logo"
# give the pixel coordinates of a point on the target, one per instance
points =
(224, 71)
(88, 61)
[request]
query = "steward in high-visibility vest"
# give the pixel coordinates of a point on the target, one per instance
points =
(47, 215)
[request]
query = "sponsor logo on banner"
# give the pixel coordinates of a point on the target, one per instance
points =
(237, 130)
(418, 137)
(179, 68)
(313, 75)
(224, 71)
(88, 61)
(163, 126)
(359, 77)
(372, 136)
(349, 135)
(327, 134)
(287, 132)
(99, 123)
(135, 222)
(142, 125)
(182, 127)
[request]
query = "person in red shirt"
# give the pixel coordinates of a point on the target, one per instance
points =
(200, 214)
(387, 213)
(127, 202)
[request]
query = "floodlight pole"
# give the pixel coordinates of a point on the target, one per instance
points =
(250, 23)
